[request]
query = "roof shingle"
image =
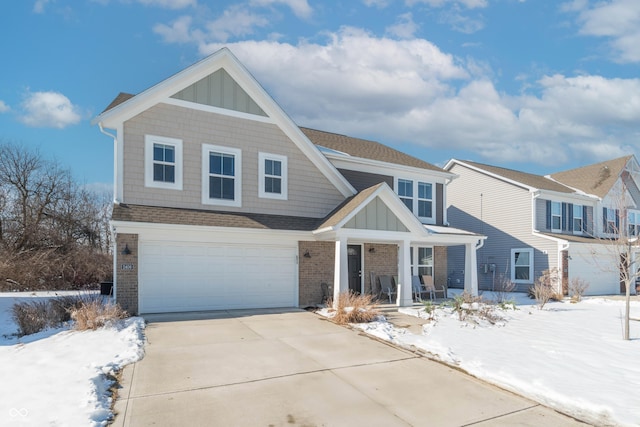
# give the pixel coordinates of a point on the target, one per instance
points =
(594, 179)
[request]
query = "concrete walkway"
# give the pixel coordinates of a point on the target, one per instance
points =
(293, 368)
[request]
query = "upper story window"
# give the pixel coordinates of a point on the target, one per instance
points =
(405, 191)
(163, 162)
(221, 175)
(417, 196)
(272, 176)
(634, 223)
(611, 223)
(522, 261)
(578, 220)
(556, 216)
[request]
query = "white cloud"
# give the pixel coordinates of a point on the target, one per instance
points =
(469, 4)
(235, 21)
(4, 107)
(461, 22)
(169, 4)
(49, 109)
(617, 20)
(404, 28)
(380, 4)
(178, 32)
(300, 8)
(38, 6)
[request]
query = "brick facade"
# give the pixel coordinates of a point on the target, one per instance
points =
(127, 272)
(380, 260)
(315, 268)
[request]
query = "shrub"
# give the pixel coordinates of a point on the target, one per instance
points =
(429, 308)
(354, 308)
(88, 310)
(546, 287)
(31, 316)
(502, 287)
(577, 288)
(95, 313)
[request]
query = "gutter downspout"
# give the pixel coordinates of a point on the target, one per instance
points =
(115, 161)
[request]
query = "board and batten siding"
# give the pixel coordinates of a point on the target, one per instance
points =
(376, 216)
(310, 194)
(501, 211)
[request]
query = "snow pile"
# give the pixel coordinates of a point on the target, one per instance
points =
(62, 377)
(570, 357)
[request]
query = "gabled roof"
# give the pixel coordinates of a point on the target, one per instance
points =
(365, 149)
(350, 207)
(527, 180)
(597, 179)
(125, 107)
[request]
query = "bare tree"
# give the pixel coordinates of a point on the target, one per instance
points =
(53, 231)
(620, 238)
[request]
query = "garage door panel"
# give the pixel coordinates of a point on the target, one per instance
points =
(189, 276)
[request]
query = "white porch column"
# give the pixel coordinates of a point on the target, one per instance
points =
(341, 270)
(405, 295)
(470, 269)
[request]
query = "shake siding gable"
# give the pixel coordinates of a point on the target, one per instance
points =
(310, 193)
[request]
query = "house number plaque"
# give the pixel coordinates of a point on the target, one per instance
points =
(126, 267)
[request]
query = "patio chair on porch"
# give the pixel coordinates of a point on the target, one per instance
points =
(387, 286)
(420, 289)
(436, 289)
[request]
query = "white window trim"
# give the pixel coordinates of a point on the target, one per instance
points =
(206, 200)
(559, 215)
(423, 219)
(415, 261)
(513, 263)
(283, 195)
(149, 140)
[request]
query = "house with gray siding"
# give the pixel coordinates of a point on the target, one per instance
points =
(534, 223)
(221, 201)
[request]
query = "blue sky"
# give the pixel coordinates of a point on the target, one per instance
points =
(535, 85)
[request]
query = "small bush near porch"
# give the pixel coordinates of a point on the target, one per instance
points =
(353, 308)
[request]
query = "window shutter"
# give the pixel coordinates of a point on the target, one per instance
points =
(548, 214)
(604, 219)
(584, 219)
(570, 217)
(564, 216)
(617, 230)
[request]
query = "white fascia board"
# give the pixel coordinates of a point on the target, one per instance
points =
(452, 162)
(449, 239)
(566, 197)
(384, 168)
(205, 233)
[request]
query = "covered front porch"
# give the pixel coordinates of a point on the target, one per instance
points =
(374, 233)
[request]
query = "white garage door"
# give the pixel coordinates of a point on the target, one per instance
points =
(183, 276)
(595, 264)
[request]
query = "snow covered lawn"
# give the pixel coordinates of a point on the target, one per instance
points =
(60, 377)
(567, 356)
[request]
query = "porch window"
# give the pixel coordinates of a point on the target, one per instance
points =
(421, 261)
(522, 261)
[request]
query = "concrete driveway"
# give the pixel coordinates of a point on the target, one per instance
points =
(293, 368)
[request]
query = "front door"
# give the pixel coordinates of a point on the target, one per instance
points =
(354, 261)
